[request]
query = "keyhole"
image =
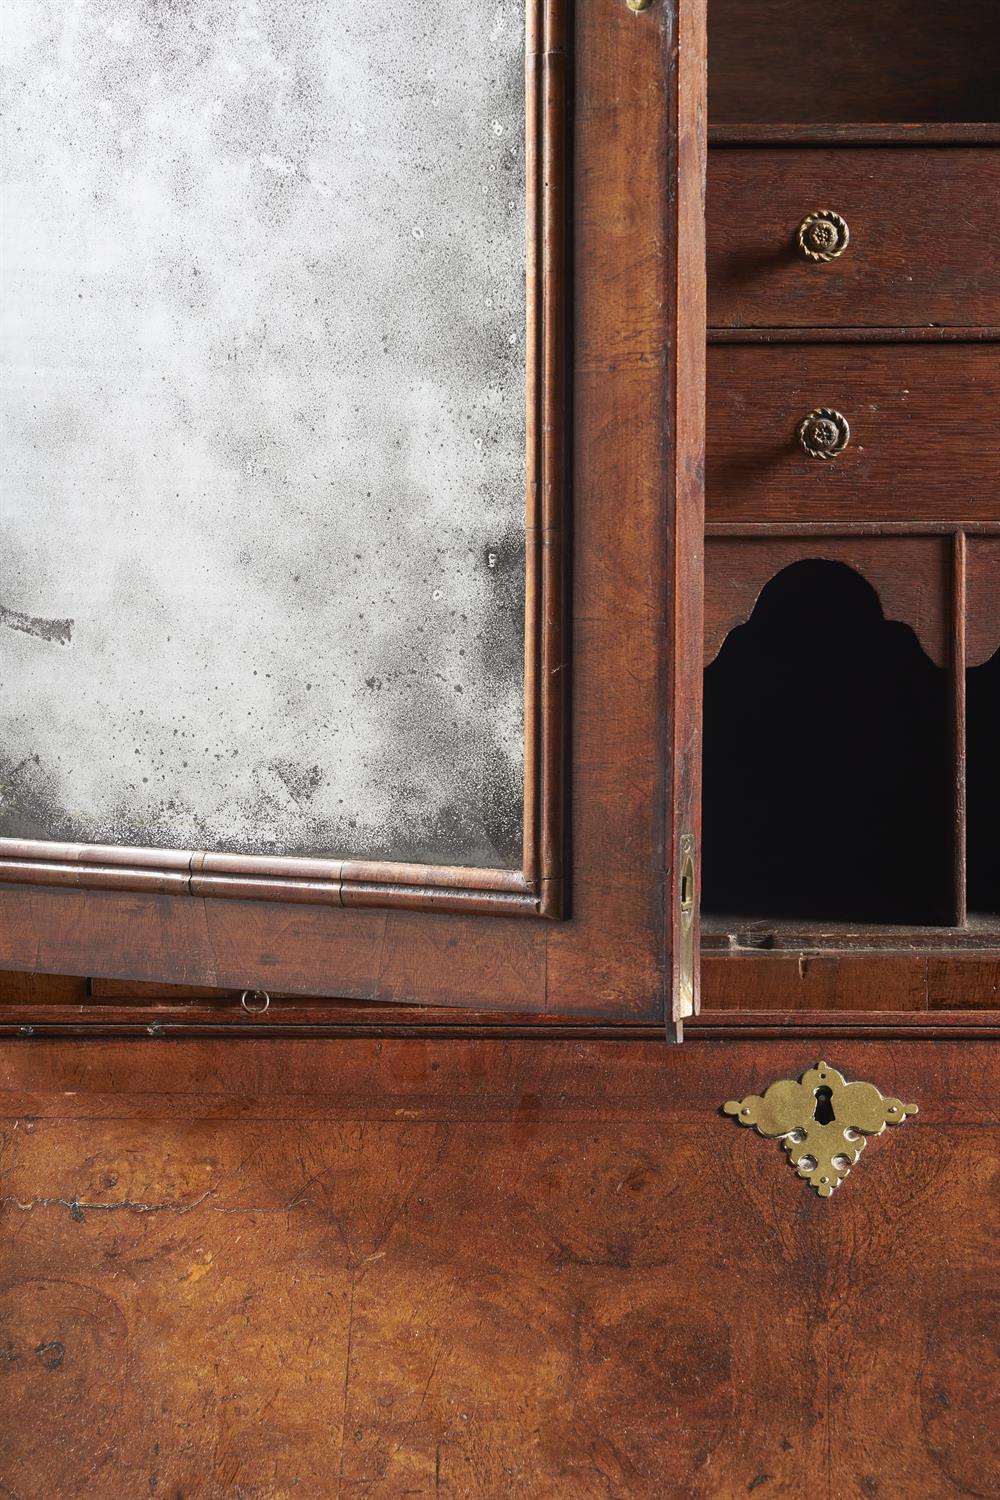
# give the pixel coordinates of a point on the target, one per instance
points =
(823, 1112)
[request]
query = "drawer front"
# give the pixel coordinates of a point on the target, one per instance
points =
(922, 248)
(924, 433)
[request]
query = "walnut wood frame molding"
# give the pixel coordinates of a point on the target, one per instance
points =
(535, 889)
(190, 1020)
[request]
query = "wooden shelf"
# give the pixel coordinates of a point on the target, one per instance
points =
(851, 528)
(735, 935)
(962, 133)
(926, 334)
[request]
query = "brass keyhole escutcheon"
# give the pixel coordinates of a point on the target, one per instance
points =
(823, 235)
(824, 433)
(821, 1120)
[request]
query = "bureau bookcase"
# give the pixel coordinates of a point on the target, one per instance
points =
(832, 569)
(344, 1147)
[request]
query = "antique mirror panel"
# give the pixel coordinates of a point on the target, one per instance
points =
(271, 285)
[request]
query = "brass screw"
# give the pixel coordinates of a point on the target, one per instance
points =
(638, 4)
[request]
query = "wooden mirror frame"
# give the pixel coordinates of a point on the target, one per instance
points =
(534, 889)
(617, 118)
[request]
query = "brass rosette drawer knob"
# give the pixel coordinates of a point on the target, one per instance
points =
(823, 235)
(824, 433)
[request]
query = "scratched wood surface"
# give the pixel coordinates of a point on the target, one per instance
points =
(480, 1268)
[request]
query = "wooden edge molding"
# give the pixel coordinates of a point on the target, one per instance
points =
(165, 1020)
(314, 882)
(536, 889)
(856, 334)
(736, 574)
(931, 133)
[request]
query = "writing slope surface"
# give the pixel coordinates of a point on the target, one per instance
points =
(263, 443)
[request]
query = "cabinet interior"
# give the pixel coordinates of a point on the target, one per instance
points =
(828, 786)
(779, 62)
(984, 789)
(851, 795)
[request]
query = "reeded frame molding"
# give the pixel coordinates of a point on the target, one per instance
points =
(536, 889)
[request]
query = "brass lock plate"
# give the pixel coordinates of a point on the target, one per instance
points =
(822, 1121)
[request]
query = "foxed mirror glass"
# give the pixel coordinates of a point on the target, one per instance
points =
(265, 378)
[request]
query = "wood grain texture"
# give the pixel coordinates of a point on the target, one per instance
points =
(896, 62)
(477, 1269)
(842, 133)
(815, 981)
(923, 441)
(922, 249)
(782, 976)
(42, 989)
(983, 623)
(911, 575)
(685, 423)
(907, 982)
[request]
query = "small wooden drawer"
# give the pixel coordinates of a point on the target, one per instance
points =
(922, 246)
(924, 426)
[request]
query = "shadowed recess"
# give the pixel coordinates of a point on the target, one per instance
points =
(984, 786)
(826, 766)
(777, 61)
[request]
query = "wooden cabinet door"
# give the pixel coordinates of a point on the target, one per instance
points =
(353, 603)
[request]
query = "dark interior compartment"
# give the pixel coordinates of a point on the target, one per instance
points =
(984, 788)
(827, 762)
